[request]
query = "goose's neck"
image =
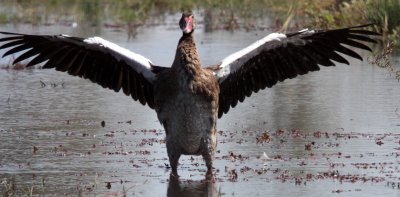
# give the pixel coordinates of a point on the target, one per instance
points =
(186, 56)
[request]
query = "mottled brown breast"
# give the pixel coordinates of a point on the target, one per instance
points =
(186, 101)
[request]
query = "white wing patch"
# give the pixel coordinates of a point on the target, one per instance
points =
(234, 61)
(139, 63)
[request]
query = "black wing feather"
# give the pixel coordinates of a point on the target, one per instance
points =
(74, 56)
(299, 54)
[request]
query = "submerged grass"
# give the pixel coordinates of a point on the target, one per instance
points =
(9, 188)
(382, 60)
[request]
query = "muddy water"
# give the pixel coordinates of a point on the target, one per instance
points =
(332, 133)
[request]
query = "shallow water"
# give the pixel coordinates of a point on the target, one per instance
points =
(332, 132)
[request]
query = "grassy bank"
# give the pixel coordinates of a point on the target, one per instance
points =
(385, 14)
(313, 13)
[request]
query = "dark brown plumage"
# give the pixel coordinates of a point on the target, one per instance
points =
(192, 92)
(187, 97)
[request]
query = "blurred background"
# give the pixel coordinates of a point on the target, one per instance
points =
(128, 15)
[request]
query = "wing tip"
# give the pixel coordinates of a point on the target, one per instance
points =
(10, 33)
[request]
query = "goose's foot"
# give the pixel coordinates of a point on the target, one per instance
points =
(174, 176)
(210, 176)
(173, 162)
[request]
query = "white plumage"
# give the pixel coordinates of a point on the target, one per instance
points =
(234, 61)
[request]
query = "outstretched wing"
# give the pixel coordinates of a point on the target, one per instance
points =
(277, 57)
(101, 61)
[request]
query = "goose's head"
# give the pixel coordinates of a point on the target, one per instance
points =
(187, 22)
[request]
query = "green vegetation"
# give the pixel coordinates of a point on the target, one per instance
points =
(384, 14)
(231, 14)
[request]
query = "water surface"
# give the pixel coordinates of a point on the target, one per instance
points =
(332, 132)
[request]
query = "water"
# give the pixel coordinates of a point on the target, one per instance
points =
(332, 132)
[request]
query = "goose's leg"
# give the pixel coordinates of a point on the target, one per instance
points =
(209, 145)
(173, 156)
(208, 158)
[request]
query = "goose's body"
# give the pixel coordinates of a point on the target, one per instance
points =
(188, 97)
(186, 102)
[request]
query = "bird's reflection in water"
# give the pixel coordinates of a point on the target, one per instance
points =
(204, 187)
